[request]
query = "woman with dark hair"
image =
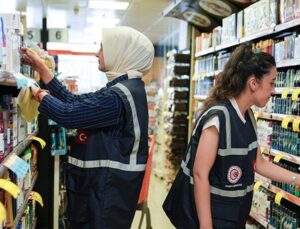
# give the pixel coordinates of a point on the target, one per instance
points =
(223, 154)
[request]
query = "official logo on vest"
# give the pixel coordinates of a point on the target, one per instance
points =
(234, 174)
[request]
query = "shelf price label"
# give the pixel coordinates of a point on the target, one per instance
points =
(278, 197)
(37, 197)
(285, 93)
(295, 94)
(39, 140)
(296, 123)
(2, 214)
(278, 157)
(257, 185)
(10, 187)
(285, 122)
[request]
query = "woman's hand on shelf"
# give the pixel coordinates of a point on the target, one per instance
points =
(32, 59)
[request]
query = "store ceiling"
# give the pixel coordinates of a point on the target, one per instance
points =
(143, 15)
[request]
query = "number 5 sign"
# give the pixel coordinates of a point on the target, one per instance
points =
(34, 34)
(58, 35)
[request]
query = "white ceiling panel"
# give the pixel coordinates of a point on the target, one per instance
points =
(143, 15)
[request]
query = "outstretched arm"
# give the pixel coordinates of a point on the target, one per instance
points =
(275, 172)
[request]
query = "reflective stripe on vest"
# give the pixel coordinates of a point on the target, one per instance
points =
(234, 193)
(223, 152)
(132, 166)
(106, 164)
(237, 151)
(137, 130)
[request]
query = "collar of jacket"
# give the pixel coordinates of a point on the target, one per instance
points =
(117, 80)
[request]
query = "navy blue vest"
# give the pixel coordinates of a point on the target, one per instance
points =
(105, 175)
(232, 175)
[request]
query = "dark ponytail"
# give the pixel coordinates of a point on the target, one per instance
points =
(242, 64)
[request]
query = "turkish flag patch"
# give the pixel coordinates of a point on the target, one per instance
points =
(81, 137)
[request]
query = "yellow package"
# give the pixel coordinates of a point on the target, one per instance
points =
(27, 105)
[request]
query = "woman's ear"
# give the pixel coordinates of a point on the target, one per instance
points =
(252, 82)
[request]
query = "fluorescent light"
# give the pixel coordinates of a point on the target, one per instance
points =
(108, 5)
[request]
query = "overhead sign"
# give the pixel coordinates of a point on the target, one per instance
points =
(34, 34)
(58, 35)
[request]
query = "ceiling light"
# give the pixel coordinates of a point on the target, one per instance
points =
(108, 5)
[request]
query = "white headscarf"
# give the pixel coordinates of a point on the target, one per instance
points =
(126, 50)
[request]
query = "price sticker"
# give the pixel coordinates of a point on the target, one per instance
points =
(285, 93)
(295, 94)
(17, 165)
(257, 185)
(285, 122)
(39, 140)
(278, 157)
(278, 197)
(37, 197)
(10, 187)
(296, 123)
(2, 214)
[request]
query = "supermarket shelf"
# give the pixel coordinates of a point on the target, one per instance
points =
(204, 52)
(287, 25)
(17, 150)
(287, 156)
(258, 218)
(200, 97)
(206, 74)
(287, 196)
(274, 116)
(7, 81)
(23, 206)
(227, 45)
(280, 90)
(288, 63)
(257, 35)
(266, 32)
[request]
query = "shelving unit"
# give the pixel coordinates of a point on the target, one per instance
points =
(18, 151)
(176, 111)
(208, 55)
(18, 155)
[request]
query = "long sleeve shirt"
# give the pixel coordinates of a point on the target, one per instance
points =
(100, 109)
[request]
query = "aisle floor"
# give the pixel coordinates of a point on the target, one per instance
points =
(156, 196)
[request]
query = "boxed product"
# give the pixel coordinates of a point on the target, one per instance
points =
(287, 11)
(229, 29)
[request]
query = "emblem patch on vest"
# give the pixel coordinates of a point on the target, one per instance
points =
(81, 137)
(234, 174)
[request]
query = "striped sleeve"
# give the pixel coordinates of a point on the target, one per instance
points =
(58, 90)
(99, 111)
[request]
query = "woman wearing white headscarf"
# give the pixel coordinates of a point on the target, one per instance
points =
(107, 160)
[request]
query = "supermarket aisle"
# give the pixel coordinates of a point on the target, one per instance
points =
(157, 194)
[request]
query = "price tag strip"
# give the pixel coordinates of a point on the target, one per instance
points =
(257, 185)
(39, 140)
(296, 123)
(278, 197)
(285, 93)
(10, 187)
(37, 197)
(285, 122)
(278, 157)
